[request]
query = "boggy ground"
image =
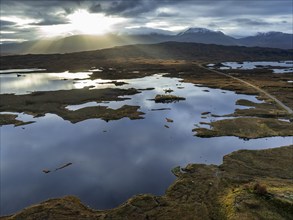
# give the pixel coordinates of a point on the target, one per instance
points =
(247, 128)
(250, 184)
(7, 119)
(274, 83)
(261, 119)
(40, 103)
(268, 113)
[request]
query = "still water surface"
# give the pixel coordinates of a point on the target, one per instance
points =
(276, 67)
(111, 161)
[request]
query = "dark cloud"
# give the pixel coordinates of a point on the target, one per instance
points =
(30, 33)
(221, 14)
(96, 8)
(4, 24)
(130, 8)
(137, 7)
(212, 25)
(68, 10)
(166, 14)
(246, 21)
(51, 20)
(122, 6)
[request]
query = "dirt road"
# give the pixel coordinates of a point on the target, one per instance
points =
(289, 110)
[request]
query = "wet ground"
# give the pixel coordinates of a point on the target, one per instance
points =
(111, 161)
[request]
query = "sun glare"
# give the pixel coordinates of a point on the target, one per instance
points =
(87, 23)
(83, 22)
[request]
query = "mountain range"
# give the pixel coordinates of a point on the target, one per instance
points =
(78, 43)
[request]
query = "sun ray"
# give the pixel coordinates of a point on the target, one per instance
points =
(88, 23)
(83, 22)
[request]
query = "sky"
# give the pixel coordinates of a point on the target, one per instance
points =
(23, 20)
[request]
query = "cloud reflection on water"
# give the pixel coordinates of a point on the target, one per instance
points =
(131, 157)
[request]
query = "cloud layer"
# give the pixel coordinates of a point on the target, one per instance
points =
(27, 19)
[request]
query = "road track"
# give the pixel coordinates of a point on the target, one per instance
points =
(281, 104)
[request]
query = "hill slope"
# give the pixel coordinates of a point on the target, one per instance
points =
(194, 35)
(165, 51)
(79, 43)
(270, 39)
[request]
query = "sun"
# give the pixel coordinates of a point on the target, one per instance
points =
(82, 22)
(85, 23)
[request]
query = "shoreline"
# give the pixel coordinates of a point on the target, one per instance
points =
(248, 184)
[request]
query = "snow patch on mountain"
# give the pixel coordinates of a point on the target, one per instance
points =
(197, 30)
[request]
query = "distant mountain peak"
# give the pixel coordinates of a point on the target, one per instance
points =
(270, 33)
(144, 31)
(194, 30)
(144, 35)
